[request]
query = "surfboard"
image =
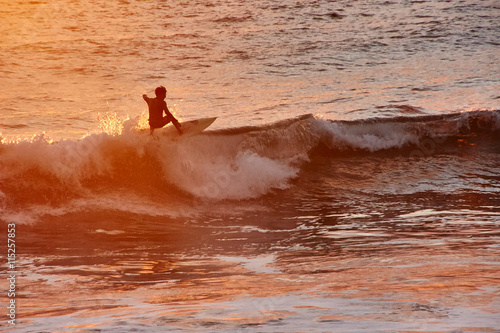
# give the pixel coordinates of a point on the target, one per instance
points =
(191, 127)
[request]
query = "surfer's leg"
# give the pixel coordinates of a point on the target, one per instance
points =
(165, 120)
(178, 127)
(174, 121)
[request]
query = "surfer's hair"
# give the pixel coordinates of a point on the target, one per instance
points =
(160, 91)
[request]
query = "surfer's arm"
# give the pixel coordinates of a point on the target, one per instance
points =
(146, 98)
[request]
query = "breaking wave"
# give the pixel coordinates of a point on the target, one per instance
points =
(235, 164)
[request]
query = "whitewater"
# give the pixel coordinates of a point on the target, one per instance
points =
(350, 182)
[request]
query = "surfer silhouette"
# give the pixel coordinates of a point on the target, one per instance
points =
(156, 107)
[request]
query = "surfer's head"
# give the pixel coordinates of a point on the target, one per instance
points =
(161, 92)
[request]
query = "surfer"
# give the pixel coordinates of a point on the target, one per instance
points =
(156, 107)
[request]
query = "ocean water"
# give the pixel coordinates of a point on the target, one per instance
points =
(351, 182)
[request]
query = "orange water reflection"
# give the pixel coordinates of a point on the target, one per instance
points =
(418, 287)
